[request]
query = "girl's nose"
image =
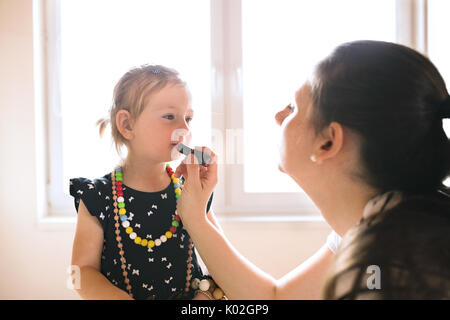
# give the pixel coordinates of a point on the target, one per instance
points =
(281, 115)
(185, 126)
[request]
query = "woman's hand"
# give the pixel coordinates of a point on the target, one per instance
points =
(201, 296)
(199, 183)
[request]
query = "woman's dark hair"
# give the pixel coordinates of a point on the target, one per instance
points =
(407, 245)
(392, 97)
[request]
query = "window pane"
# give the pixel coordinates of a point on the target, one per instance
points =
(100, 41)
(282, 40)
(438, 45)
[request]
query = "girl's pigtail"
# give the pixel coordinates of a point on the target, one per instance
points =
(102, 123)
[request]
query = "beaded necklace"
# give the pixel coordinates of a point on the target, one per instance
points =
(120, 215)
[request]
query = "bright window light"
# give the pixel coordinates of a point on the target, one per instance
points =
(282, 40)
(100, 41)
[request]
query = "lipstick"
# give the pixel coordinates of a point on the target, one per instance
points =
(203, 158)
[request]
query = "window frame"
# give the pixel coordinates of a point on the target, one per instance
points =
(230, 200)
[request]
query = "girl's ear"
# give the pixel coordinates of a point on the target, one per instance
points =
(124, 124)
(330, 143)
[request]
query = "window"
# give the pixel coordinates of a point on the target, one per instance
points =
(243, 61)
(281, 41)
(94, 44)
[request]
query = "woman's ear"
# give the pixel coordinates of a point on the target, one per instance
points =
(330, 143)
(124, 124)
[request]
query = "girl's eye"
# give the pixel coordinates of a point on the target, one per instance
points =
(189, 120)
(169, 117)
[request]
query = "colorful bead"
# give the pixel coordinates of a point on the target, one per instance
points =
(175, 223)
(195, 283)
(218, 294)
(137, 240)
(168, 234)
(133, 235)
(204, 285)
(126, 224)
(151, 244)
(157, 242)
(129, 230)
(163, 238)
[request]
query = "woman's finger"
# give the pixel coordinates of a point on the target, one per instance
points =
(181, 170)
(212, 172)
(192, 168)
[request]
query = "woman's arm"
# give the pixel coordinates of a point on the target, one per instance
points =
(240, 279)
(86, 254)
(308, 279)
(212, 218)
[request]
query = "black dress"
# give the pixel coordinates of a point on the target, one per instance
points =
(156, 273)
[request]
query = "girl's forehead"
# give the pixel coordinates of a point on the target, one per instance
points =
(174, 97)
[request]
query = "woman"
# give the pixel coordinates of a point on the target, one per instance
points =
(366, 143)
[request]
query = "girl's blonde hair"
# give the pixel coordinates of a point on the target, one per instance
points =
(132, 92)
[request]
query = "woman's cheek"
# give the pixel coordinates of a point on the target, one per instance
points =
(293, 144)
(283, 150)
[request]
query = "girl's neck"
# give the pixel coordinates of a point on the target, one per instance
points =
(145, 176)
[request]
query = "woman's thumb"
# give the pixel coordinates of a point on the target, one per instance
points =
(181, 171)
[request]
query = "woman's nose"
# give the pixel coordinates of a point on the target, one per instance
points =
(281, 115)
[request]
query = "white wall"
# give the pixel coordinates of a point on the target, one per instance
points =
(33, 263)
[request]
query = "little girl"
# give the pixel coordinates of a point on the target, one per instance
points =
(129, 240)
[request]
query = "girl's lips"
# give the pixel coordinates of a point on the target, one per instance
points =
(174, 145)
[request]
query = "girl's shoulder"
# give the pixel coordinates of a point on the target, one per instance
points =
(95, 193)
(81, 185)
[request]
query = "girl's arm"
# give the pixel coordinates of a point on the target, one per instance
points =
(240, 279)
(86, 254)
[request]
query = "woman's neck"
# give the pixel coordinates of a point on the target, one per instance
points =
(144, 175)
(342, 202)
